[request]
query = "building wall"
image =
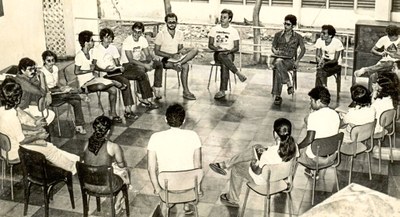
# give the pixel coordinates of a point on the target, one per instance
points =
(22, 32)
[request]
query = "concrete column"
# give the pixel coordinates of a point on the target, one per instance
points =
(297, 10)
(383, 10)
(215, 11)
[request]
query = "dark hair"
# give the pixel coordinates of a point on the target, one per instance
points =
(287, 146)
(11, 92)
(392, 30)
(84, 36)
(389, 82)
(360, 95)
(25, 63)
(49, 53)
(330, 28)
(292, 19)
(170, 15)
(138, 25)
(229, 12)
(106, 32)
(101, 126)
(175, 115)
(320, 93)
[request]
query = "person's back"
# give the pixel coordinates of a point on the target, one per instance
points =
(102, 158)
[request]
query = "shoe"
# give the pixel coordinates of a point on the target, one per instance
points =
(359, 72)
(310, 174)
(224, 200)
(278, 100)
(157, 93)
(117, 119)
(130, 115)
(219, 95)
(187, 209)
(189, 96)
(80, 130)
(241, 77)
(290, 90)
(148, 104)
(216, 167)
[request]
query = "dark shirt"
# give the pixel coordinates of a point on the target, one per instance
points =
(287, 48)
(31, 91)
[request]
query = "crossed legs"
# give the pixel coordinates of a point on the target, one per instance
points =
(281, 76)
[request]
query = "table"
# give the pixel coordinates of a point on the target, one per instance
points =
(356, 200)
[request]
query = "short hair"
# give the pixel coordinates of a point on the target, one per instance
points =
(175, 115)
(292, 19)
(138, 25)
(25, 63)
(11, 92)
(229, 12)
(49, 53)
(330, 28)
(389, 83)
(101, 126)
(360, 95)
(84, 36)
(320, 93)
(170, 15)
(106, 32)
(392, 30)
(287, 147)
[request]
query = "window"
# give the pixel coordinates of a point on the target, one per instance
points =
(199, 0)
(314, 3)
(231, 1)
(395, 5)
(282, 3)
(264, 2)
(368, 4)
(341, 4)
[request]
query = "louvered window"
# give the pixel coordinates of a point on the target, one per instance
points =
(368, 4)
(232, 1)
(200, 1)
(395, 5)
(341, 4)
(252, 2)
(313, 3)
(282, 3)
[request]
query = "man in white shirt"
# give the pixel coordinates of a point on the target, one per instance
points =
(223, 39)
(174, 149)
(328, 49)
(390, 46)
(169, 45)
(321, 122)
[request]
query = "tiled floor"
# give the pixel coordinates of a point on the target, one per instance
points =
(226, 127)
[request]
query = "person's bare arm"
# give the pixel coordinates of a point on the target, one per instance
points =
(118, 154)
(152, 170)
(308, 139)
(79, 71)
(211, 44)
(129, 56)
(375, 51)
(302, 51)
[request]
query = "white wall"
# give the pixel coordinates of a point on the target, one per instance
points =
(22, 31)
(84, 14)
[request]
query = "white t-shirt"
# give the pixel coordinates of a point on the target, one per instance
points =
(11, 126)
(167, 43)
(380, 105)
(389, 46)
(135, 46)
(105, 56)
(328, 51)
(224, 37)
(357, 116)
(325, 122)
(174, 149)
(51, 78)
(84, 63)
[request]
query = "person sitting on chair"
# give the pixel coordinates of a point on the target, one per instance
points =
(169, 45)
(99, 151)
(174, 149)
(62, 93)
(328, 49)
(248, 164)
(321, 122)
(223, 39)
(284, 49)
(388, 47)
(26, 130)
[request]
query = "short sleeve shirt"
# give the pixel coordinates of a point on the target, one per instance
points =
(84, 63)
(168, 43)
(224, 37)
(11, 126)
(380, 105)
(135, 46)
(105, 56)
(389, 46)
(328, 51)
(51, 78)
(287, 48)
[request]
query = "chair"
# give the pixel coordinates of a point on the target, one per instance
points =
(325, 147)
(180, 187)
(55, 107)
(338, 79)
(37, 170)
(359, 136)
(279, 178)
(292, 76)
(386, 120)
(165, 80)
(5, 147)
(99, 181)
(216, 65)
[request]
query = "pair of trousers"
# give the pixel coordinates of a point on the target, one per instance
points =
(138, 73)
(325, 72)
(374, 70)
(75, 101)
(226, 61)
(127, 93)
(281, 68)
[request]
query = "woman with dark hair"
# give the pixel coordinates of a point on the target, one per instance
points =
(283, 150)
(99, 151)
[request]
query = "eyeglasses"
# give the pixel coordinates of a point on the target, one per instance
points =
(32, 69)
(137, 32)
(51, 60)
(172, 22)
(287, 24)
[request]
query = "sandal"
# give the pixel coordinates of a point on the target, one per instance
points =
(148, 104)
(189, 96)
(224, 200)
(216, 167)
(130, 115)
(117, 119)
(80, 130)
(290, 90)
(187, 209)
(219, 95)
(278, 100)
